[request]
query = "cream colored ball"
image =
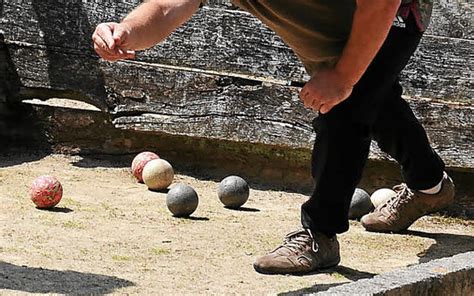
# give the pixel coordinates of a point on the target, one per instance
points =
(381, 196)
(158, 174)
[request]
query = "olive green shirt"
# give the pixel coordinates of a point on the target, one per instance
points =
(317, 31)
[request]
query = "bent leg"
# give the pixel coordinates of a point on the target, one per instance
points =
(344, 134)
(399, 133)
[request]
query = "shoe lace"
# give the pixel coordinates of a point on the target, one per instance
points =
(402, 198)
(297, 241)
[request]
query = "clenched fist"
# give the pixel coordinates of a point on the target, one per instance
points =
(111, 41)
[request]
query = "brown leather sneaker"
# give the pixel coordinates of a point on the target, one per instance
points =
(301, 252)
(400, 211)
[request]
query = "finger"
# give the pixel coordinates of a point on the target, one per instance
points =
(307, 104)
(304, 93)
(309, 96)
(109, 58)
(316, 106)
(119, 55)
(311, 103)
(103, 50)
(104, 31)
(99, 50)
(306, 97)
(126, 54)
(99, 43)
(107, 55)
(119, 35)
(325, 108)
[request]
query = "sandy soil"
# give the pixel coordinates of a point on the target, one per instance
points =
(110, 234)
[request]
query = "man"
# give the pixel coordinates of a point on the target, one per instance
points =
(354, 53)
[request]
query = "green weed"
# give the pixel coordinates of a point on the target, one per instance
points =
(73, 225)
(121, 258)
(159, 251)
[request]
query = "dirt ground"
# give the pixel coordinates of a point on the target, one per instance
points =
(110, 234)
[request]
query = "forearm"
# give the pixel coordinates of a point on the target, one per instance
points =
(154, 20)
(370, 27)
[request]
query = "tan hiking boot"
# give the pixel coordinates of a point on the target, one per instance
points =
(400, 211)
(301, 252)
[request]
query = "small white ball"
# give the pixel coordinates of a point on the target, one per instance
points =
(158, 174)
(381, 196)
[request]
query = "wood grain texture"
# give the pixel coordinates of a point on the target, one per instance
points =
(231, 41)
(452, 19)
(442, 68)
(272, 114)
(151, 98)
(49, 51)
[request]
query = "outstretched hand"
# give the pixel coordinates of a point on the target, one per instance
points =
(110, 42)
(325, 90)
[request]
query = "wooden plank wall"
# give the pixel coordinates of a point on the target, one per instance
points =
(223, 75)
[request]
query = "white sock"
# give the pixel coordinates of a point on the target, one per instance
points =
(433, 190)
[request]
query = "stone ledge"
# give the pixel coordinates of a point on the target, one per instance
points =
(447, 276)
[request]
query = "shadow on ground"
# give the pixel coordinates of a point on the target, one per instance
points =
(97, 160)
(352, 274)
(39, 280)
(19, 155)
(446, 245)
(57, 210)
(242, 209)
(104, 161)
(348, 273)
(313, 289)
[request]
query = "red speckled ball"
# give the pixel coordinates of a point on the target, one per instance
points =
(139, 163)
(46, 192)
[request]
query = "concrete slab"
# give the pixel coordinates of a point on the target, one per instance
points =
(447, 276)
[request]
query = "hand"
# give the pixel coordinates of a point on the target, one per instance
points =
(110, 42)
(325, 90)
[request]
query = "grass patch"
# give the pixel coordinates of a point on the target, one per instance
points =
(9, 250)
(73, 225)
(443, 220)
(112, 212)
(159, 251)
(106, 206)
(338, 276)
(121, 258)
(90, 210)
(46, 254)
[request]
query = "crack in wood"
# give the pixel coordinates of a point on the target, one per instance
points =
(141, 117)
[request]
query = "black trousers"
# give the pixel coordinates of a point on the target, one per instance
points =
(374, 111)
